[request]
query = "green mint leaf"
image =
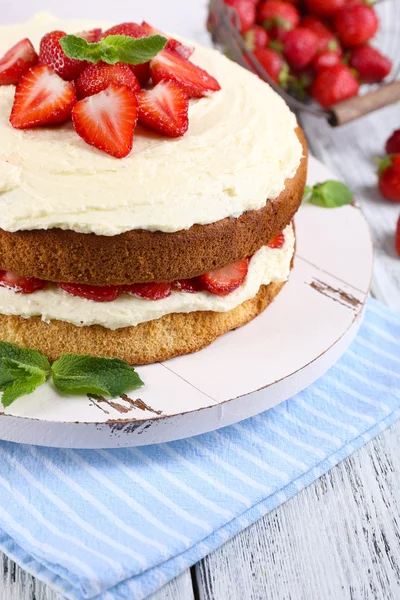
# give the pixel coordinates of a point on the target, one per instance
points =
(22, 387)
(330, 194)
(22, 370)
(81, 374)
(114, 48)
(26, 356)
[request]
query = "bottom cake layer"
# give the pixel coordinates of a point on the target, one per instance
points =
(150, 342)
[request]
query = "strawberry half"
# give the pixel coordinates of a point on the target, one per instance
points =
(277, 242)
(98, 77)
(165, 109)
(107, 120)
(92, 35)
(172, 67)
(106, 293)
(190, 286)
(42, 98)
(53, 55)
(179, 47)
(222, 282)
(134, 30)
(150, 291)
(18, 283)
(16, 62)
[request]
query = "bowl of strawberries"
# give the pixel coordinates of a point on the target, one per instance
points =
(322, 56)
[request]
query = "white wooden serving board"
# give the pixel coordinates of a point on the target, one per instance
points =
(302, 334)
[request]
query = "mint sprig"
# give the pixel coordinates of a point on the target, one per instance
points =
(329, 194)
(22, 370)
(114, 48)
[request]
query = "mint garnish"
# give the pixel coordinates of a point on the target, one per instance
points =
(329, 194)
(22, 370)
(114, 48)
(74, 373)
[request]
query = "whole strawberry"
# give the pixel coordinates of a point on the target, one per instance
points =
(256, 38)
(398, 237)
(356, 24)
(327, 58)
(51, 54)
(278, 17)
(300, 45)
(325, 8)
(372, 66)
(326, 38)
(274, 64)
(393, 143)
(389, 177)
(246, 12)
(334, 84)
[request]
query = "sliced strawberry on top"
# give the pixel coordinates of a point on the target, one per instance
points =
(277, 242)
(92, 35)
(107, 120)
(165, 108)
(17, 61)
(141, 71)
(42, 98)
(194, 80)
(53, 55)
(18, 283)
(190, 286)
(222, 282)
(150, 291)
(179, 47)
(97, 77)
(106, 293)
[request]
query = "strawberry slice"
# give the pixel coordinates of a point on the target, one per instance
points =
(141, 71)
(51, 54)
(277, 242)
(92, 35)
(150, 291)
(42, 98)
(106, 293)
(98, 77)
(182, 49)
(16, 62)
(222, 282)
(190, 286)
(18, 283)
(107, 120)
(194, 80)
(165, 109)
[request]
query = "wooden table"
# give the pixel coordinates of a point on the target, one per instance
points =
(340, 537)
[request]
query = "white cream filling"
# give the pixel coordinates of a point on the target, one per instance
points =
(267, 265)
(240, 148)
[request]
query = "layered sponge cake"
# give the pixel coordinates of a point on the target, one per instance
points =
(145, 209)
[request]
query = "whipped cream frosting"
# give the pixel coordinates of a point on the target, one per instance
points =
(267, 265)
(240, 148)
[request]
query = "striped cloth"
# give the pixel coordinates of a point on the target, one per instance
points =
(118, 524)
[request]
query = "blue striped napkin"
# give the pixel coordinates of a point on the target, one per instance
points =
(118, 524)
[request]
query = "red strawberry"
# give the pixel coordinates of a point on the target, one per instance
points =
(19, 283)
(53, 55)
(327, 39)
(142, 71)
(393, 143)
(256, 38)
(274, 64)
(246, 12)
(194, 80)
(16, 62)
(190, 286)
(106, 293)
(92, 35)
(165, 109)
(356, 24)
(278, 17)
(222, 282)
(327, 58)
(98, 77)
(372, 66)
(150, 291)
(107, 120)
(179, 47)
(42, 98)
(334, 84)
(325, 8)
(389, 177)
(300, 45)
(277, 242)
(398, 237)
